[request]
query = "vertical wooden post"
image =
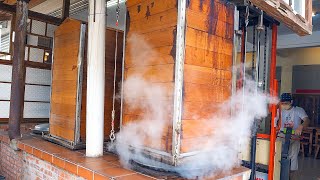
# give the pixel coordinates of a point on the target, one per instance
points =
(308, 11)
(95, 78)
(65, 9)
(18, 70)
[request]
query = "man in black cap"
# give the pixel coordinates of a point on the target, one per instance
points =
(297, 119)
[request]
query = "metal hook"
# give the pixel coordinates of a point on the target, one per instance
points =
(260, 26)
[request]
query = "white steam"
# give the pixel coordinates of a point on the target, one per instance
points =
(152, 117)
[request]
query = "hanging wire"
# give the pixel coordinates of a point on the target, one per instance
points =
(112, 132)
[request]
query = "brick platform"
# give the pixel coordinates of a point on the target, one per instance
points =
(39, 159)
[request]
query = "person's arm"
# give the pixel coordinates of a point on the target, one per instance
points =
(303, 115)
(305, 124)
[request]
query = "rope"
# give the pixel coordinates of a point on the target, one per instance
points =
(112, 132)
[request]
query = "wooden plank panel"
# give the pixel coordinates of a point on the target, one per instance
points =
(61, 86)
(147, 41)
(199, 57)
(198, 110)
(63, 110)
(147, 59)
(197, 93)
(223, 61)
(192, 144)
(58, 98)
(62, 132)
(69, 26)
(210, 9)
(197, 74)
(64, 80)
(67, 74)
(155, 22)
(59, 120)
(207, 76)
(165, 135)
(157, 73)
(148, 8)
(133, 2)
(197, 128)
(203, 40)
(140, 112)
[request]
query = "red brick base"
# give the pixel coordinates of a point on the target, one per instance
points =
(21, 165)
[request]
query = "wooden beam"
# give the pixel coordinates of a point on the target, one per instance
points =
(5, 62)
(31, 14)
(29, 64)
(278, 10)
(5, 18)
(308, 11)
(10, 2)
(65, 9)
(34, 3)
(38, 65)
(18, 70)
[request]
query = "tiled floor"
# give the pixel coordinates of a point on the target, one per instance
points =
(309, 168)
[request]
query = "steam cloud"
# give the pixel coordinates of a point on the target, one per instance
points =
(219, 154)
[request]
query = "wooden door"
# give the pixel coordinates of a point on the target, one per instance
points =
(65, 70)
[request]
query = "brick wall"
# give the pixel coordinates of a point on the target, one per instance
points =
(21, 165)
(11, 162)
(24, 127)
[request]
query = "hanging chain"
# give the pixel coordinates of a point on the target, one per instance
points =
(253, 51)
(112, 132)
(265, 58)
(118, 13)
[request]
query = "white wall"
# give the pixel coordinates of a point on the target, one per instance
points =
(295, 41)
(302, 56)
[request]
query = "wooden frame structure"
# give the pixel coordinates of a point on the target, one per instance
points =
(281, 11)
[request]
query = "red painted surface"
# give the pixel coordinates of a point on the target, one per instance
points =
(273, 92)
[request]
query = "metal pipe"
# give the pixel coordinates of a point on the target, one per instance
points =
(273, 91)
(95, 79)
(18, 70)
(243, 56)
(253, 151)
(273, 57)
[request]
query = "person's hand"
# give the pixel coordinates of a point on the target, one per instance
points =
(298, 131)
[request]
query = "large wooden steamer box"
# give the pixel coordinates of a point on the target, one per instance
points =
(207, 66)
(69, 75)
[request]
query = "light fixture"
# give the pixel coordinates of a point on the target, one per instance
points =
(313, 14)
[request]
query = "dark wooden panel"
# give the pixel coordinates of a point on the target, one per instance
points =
(109, 73)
